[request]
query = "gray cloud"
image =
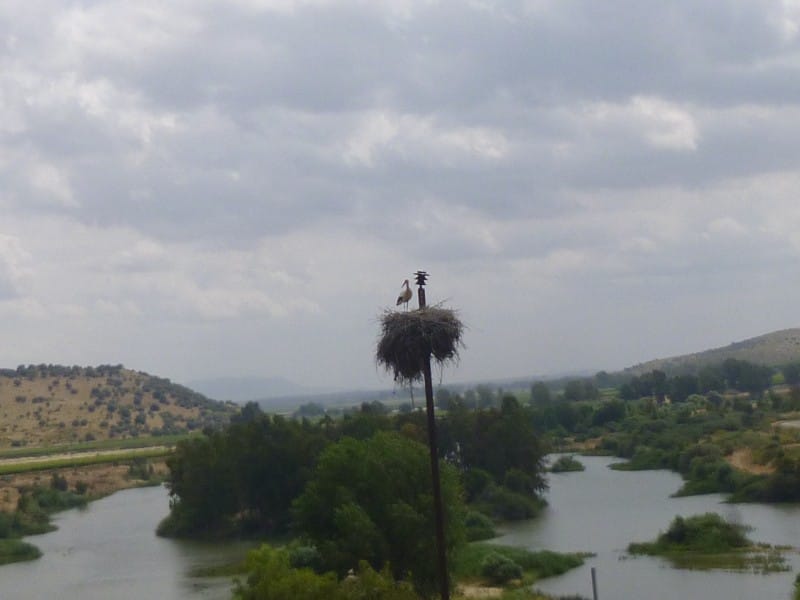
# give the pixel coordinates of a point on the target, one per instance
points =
(239, 187)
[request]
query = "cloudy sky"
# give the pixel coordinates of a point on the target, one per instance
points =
(197, 188)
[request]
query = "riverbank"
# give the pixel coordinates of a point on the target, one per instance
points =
(99, 480)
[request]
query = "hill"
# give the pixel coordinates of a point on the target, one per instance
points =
(772, 349)
(51, 404)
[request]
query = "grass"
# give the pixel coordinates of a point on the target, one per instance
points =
(80, 460)
(121, 444)
(12, 550)
(567, 463)
(224, 570)
(467, 564)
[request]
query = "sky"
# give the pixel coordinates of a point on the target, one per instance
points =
(199, 188)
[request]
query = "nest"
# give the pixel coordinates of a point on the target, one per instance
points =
(408, 338)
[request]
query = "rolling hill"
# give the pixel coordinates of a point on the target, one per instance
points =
(772, 349)
(51, 404)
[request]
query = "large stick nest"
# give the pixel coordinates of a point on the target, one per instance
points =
(408, 338)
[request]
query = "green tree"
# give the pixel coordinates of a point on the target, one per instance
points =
(443, 398)
(791, 373)
(682, 386)
(244, 477)
(201, 486)
(371, 500)
(574, 390)
(540, 394)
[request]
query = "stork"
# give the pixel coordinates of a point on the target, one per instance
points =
(405, 295)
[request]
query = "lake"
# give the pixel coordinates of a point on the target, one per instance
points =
(110, 550)
(600, 510)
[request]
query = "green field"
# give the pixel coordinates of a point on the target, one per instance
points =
(127, 443)
(82, 460)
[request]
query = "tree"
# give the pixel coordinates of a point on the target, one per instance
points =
(371, 500)
(249, 412)
(244, 477)
(540, 394)
(613, 410)
(791, 373)
(574, 390)
(710, 379)
(443, 398)
(682, 386)
(485, 396)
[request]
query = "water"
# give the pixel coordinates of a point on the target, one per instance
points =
(110, 550)
(602, 511)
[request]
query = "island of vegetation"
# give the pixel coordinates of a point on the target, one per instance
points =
(709, 542)
(566, 463)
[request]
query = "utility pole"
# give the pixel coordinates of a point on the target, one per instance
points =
(444, 584)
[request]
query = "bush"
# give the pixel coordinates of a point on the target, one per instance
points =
(469, 561)
(59, 482)
(503, 504)
(567, 463)
(271, 577)
(307, 557)
(500, 569)
(479, 526)
(475, 482)
(707, 533)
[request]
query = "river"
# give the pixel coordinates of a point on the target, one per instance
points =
(600, 510)
(110, 550)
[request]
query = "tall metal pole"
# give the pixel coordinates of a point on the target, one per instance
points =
(444, 584)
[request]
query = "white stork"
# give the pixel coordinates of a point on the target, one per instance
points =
(405, 295)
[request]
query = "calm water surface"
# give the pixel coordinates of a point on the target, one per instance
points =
(602, 511)
(109, 550)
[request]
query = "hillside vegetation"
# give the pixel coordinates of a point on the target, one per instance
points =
(772, 349)
(49, 404)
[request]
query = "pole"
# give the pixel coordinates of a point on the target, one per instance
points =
(594, 583)
(444, 584)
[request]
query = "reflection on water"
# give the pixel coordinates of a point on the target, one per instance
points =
(110, 550)
(602, 511)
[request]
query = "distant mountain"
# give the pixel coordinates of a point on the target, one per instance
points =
(772, 349)
(245, 389)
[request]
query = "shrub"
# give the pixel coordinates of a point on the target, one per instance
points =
(59, 482)
(708, 533)
(503, 504)
(567, 463)
(475, 482)
(479, 526)
(500, 569)
(305, 557)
